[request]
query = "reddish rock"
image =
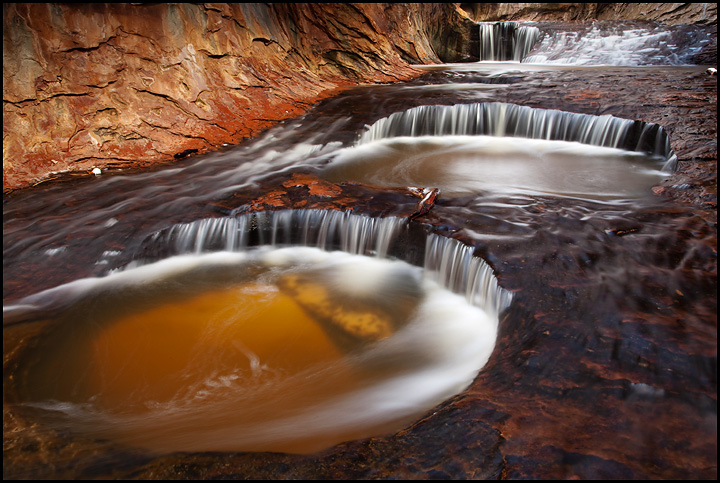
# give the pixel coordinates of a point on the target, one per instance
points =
(667, 13)
(307, 191)
(548, 404)
(115, 84)
(315, 185)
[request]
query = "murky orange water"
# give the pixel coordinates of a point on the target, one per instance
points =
(624, 310)
(226, 337)
(303, 349)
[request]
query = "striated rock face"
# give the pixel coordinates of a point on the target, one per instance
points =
(667, 13)
(597, 372)
(113, 85)
(120, 85)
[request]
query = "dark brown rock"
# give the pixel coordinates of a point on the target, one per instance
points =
(551, 403)
(307, 191)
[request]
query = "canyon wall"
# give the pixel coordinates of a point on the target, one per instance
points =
(666, 13)
(120, 85)
(135, 85)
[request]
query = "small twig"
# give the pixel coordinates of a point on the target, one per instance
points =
(47, 179)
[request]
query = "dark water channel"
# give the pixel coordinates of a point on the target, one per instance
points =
(605, 362)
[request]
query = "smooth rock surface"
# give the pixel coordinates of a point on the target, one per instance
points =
(574, 389)
(117, 85)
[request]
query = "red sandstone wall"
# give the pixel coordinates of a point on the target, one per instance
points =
(88, 85)
(667, 13)
(113, 85)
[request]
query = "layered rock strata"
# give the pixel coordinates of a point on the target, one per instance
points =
(116, 85)
(667, 13)
(119, 85)
(549, 404)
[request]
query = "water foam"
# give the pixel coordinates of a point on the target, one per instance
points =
(331, 230)
(618, 44)
(511, 120)
(482, 165)
(506, 41)
(437, 354)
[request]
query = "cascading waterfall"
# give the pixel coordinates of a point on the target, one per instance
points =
(506, 41)
(453, 265)
(605, 43)
(357, 235)
(270, 331)
(611, 43)
(217, 337)
(502, 119)
(448, 262)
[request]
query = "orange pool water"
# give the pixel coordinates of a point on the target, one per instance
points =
(226, 337)
(293, 352)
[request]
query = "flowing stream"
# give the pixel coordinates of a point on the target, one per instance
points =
(161, 321)
(599, 43)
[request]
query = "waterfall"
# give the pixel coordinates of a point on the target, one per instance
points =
(501, 119)
(506, 41)
(448, 262)
(329, 230)
(604, 43)
(453, 265)
(612, 43)
(191, 352)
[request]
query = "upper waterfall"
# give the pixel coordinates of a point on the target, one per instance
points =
(501, 119)
(503, 41)
(600, 43)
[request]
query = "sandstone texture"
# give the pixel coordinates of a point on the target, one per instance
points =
(134, 85)
(605, 367)
(666, 13)
(114, 85)
(597, 373)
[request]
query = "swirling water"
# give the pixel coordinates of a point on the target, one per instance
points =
(63, 242)
(600, 43)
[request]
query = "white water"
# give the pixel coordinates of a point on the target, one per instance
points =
(506, 41)
(465, 150)
(614, 44)
(452, 265)
(436, 354)
(487, 165)
(318, 228)
(501, 119)
(359, 235)
(446, 261)
(453, 305)
(446, 343)
(604, 43)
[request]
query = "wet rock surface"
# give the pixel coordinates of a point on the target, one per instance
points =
(606, 363)
(583, 383)
(307, 191)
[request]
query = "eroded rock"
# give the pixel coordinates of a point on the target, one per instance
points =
(112, 84)
(667, 13)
